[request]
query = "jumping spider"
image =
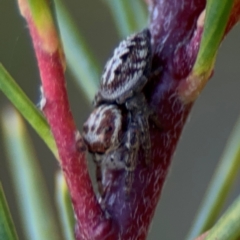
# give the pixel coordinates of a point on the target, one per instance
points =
(123, 79)
(103, 133)
(110, 136)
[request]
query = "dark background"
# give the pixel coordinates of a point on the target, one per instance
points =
(202, 142)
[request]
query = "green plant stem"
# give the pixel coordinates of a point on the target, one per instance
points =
(220, 185)
(228, 226)
(217, 15)
(7, 228)
(36, 212)
(29, 111)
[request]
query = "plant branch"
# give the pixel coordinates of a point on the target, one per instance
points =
(56, 108)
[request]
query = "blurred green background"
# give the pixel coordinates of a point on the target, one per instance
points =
(202, 142)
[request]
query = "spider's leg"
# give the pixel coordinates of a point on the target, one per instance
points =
(155, 73)
(132, 146)
(155, 119)
(98, 161)
(99, 179)
(140, 114)
(142, 120)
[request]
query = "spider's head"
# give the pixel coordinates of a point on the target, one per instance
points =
(103, 128)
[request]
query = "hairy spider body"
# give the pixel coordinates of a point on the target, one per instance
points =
(127, 71)
(103, 134)
(123, 79)
(113, 139)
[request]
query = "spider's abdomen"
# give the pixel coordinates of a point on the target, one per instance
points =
(130, 61)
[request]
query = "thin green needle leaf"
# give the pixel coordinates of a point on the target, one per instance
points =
(123, 16)
(36, 212)
(19, 99)
(7, 228)
(64, 207)
(228, 227)
(139, 13)
(217, 14)
(79, 58)
(220, 185)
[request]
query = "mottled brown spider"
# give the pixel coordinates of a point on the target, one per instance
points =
(124, 76)
(112, 141)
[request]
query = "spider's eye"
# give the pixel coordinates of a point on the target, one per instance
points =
(108, 129)
(125, 56)
(117, 72)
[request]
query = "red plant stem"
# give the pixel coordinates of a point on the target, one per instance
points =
(91, 220)
(176, 39)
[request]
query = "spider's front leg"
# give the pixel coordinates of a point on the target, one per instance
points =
(98, 161)
(99, 179)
